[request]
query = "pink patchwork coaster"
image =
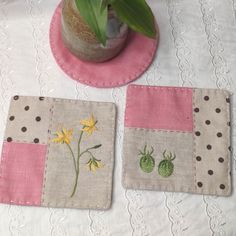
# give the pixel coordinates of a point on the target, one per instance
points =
(177, 139)
(131, 63)
(58, 153)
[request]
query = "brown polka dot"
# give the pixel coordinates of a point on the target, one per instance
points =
(209, 147)
(206, 98)
(199, 184)
(197, 133)
(229, 148)
(218, 110)
(221, 159)
(210, 172)
(196, 109)
(16, 97)
(11, 118)
(27, 108)
(198, 158)
(227, 100)
(36, 140)
(41, 98)
(222, 186)
(23, 129)
(38, 118)
(219, 134)
(9, 139)
(207, 122)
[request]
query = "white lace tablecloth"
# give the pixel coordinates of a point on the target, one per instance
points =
(197, 48)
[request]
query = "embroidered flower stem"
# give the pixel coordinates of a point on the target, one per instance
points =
(78, 159)
(87, 150)
(77, 169)
(64, 137)
(73, 156)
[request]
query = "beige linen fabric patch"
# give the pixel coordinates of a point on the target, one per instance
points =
(180, 143)
(94, 189)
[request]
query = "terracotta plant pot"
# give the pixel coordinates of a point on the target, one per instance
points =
(82, 42)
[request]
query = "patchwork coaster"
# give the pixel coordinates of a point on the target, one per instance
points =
(58, 153)
(122, 69)
(177, 139)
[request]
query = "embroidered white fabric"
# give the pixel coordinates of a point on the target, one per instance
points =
(197, 48)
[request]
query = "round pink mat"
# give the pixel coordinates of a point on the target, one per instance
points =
(132, 62)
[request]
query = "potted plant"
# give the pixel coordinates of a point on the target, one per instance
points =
(96, 30)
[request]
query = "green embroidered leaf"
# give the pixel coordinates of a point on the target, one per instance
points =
(95, 17)
(97, 146)
(137, 15)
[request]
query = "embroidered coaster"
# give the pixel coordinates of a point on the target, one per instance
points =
(177, 139)
(58, 153)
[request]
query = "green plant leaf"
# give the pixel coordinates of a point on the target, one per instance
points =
(104, 4)
(91, 12)
(137, 15)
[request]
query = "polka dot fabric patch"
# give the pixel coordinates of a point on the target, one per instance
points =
(28, 120)
(58, 153)
(177, 139)
(212, 141)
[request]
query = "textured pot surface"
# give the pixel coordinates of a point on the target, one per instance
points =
(82, 42)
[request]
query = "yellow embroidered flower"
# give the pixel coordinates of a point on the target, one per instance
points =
(63, 136)
(89, 125)
(94, 164)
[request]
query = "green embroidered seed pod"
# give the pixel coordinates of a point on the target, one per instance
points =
(147, 162)
(166, 166)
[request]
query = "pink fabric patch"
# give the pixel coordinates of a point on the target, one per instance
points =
(131, 63)
(164, 108)
(22, 171)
